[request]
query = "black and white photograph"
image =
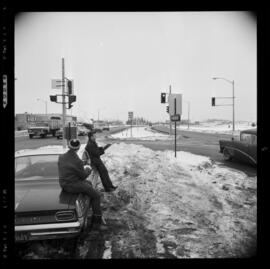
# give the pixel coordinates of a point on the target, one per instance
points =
(135, 135)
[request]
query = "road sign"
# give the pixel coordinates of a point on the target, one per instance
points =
(56, 83)
(130, 114)
(175, 117)
(178, 109)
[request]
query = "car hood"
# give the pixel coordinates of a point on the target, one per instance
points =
(40, 196)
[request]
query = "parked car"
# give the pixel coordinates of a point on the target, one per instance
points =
(97, 130)
(42, 209)
(81, 130)
(106, 128)
(244, 150)
(59, 133)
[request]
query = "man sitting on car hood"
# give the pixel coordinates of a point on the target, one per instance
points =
(72, 178)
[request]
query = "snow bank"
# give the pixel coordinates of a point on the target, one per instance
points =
(198, 207)
(143, 133)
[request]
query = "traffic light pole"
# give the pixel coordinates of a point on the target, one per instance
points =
(64, 102)
(175, 128)
(170, 91)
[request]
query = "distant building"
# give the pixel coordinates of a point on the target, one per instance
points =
(22, 120)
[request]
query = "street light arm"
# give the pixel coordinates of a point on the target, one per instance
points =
(232, 82)
(223, 79)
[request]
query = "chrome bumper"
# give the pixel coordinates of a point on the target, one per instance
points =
(47, 231)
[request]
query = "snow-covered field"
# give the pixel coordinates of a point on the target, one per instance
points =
(215, 126)
(142, 133)
(218, 126)
(192, 206)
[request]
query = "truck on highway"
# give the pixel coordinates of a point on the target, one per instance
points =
(46, 125)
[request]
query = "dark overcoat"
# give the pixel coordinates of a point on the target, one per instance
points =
(70, 168)
(94, 152)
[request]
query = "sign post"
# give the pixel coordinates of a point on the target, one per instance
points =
(60, 84)
(64, 100)
(175, 128)
(175, 109)
(130, 117)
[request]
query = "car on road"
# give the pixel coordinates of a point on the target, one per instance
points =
(243, 150)
(59, 133)
(106, 128)
(42, 209)
(81, 131)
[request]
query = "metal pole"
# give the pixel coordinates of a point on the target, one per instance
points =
(131, 128)
(64, 100)
(233, 106)
(69, 132)
(169, 114)
(175, 128)
(188, 115)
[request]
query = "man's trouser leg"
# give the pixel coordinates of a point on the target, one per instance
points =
(104, 176)
(85, 188)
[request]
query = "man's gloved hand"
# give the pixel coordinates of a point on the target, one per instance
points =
(108, 145)
(88, 169)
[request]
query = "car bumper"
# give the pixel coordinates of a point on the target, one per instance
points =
(25, 233)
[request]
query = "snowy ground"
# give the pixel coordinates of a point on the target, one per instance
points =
(167, 207)
(142, 133)
(191, 206)
(218, 126)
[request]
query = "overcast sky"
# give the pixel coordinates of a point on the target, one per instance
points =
(122, 61)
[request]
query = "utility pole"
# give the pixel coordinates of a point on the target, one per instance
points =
(64, 101)
(175, 128)
(170, 91)
(233, 97)
(188, 114)
(233, 106)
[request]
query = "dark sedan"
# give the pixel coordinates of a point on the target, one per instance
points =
(42, 209)
(244, 149)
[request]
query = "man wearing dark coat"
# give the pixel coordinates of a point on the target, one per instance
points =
(72, 178)
(94, 152)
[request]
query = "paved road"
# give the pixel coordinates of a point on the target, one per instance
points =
(197, 143)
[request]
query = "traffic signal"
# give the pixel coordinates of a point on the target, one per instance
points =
(53, 98)
(163, 97)
(71, 99)
(69, 85)
(213, 101)
(167, 109)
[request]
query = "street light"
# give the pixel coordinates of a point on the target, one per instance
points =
(188, 102)
(232, 82)
(38, 99)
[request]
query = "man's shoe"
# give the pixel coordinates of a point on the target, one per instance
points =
(113, 188)
(98, 223)
(109, 189)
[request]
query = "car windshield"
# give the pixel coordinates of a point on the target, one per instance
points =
(36, 167)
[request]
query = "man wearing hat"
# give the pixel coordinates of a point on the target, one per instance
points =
(94, 152)
(72, 178)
